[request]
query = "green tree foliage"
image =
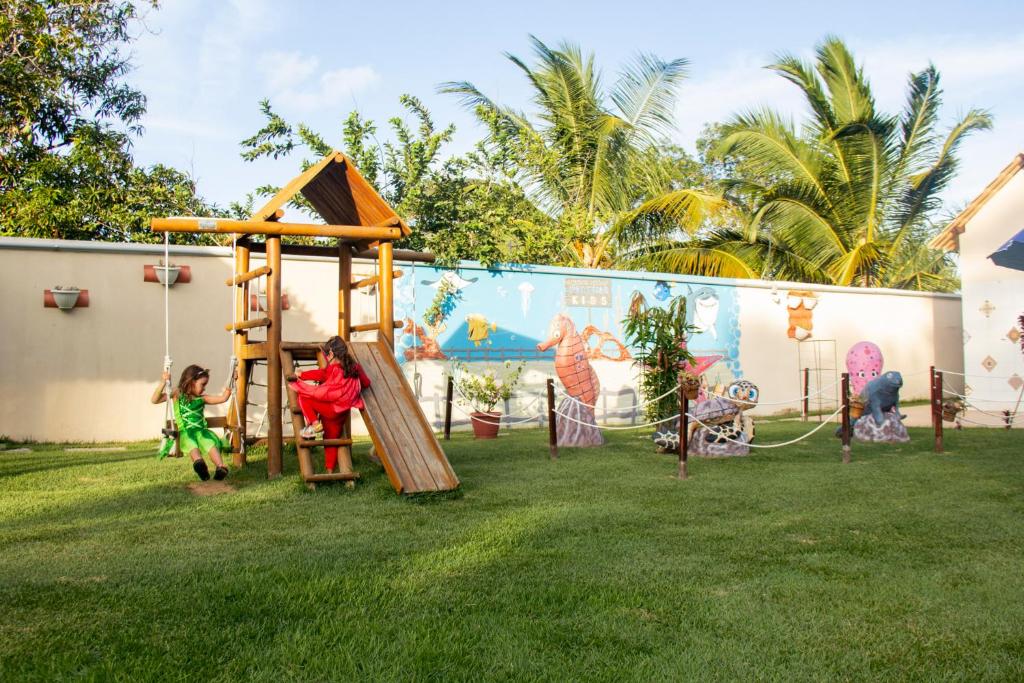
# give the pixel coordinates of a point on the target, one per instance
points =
(67, 118)
(590, 156)
(658, 334)
(851, 198)
(460, 208)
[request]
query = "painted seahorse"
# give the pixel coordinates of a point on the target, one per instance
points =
(580, 382)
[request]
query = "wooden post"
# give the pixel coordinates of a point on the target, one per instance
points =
(807, 393)
(275, 440)
(937, 409)
(448, 409)
(344, 331)
(239, 404)
(386, 314)
(552, 427)
(846, 418)
(684, 428)
(344, 291)
(931, 394)
(1008, 418)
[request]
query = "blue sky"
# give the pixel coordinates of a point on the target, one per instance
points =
(204, 66)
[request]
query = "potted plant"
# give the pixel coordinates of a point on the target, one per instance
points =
(65, 296)
(659, 336)
(951, 408)
(691, 385)
(482, 392)
(167, 274)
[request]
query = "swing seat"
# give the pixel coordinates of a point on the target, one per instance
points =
(216, 422)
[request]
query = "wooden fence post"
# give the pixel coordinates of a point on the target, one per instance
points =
(552, 430)
(448, 409)
(807, 393)
(684, 429)
(846, 418)
(937, 409)
(931, 392)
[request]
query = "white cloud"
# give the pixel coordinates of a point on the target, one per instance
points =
(333, 87)
(285, 69)
(976, 73)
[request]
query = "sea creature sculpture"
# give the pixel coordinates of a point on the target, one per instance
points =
(864, 363)
(881, 421)
(882, 395)
(743, 393)
(705, 311)
(580, 381)
(478, 329)
(719, 427)
(800, 304)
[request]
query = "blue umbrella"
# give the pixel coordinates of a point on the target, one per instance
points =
(1011, 254)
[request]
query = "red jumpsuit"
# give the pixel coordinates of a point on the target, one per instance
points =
(330, 401)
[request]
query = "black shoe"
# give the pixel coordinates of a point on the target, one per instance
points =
(201, 469)
(220, 473)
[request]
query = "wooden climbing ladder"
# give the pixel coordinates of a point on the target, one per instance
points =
(290, 352)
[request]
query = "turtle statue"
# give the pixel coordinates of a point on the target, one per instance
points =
(718, 426)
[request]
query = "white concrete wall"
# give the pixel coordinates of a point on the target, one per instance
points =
(993, 298)
(87, 374)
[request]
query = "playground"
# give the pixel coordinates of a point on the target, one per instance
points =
(903, 564)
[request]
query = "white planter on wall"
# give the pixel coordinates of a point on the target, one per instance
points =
(66, 298)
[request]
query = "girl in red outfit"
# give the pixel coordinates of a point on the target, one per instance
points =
(328, 402)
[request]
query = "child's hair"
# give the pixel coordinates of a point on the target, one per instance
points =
(188, 376)
(337, 346)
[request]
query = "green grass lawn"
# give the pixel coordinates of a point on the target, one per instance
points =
(598, 567)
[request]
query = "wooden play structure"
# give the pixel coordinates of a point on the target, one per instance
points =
(362, 225)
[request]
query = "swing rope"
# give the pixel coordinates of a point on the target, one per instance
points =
(233, 364)
(169, 446)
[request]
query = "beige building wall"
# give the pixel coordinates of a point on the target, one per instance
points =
(993, 299)
(87, 374)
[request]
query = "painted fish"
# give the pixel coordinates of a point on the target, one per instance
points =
(479, 329)
(571, 363)
(705, 311)
(661, 290)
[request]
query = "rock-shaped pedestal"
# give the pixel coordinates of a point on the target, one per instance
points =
(572, 434)
(890, 431)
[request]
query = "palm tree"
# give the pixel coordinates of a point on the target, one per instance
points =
(587, 156)
(850, 197)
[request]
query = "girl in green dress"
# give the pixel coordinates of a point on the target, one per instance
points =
(194, 436)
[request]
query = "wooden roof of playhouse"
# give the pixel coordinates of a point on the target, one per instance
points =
(352, 209)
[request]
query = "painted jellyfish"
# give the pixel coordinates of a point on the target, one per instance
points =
(864, 363)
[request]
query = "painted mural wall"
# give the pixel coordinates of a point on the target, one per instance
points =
(87, 374)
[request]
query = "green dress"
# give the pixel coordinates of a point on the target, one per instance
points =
(193, 432)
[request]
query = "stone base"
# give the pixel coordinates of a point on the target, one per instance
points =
(891, 430)
(668, 439)
(699, 444)
(572, 434)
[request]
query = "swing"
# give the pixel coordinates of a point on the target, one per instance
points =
(169, 446)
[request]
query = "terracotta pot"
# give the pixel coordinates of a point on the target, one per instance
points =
(950, 411)
(486, 425)
(856, 409)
